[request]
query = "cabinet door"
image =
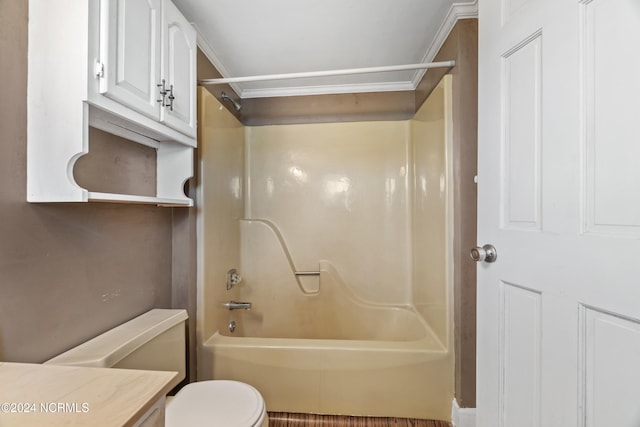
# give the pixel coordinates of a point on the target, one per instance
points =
(130, 52)
(179, 71)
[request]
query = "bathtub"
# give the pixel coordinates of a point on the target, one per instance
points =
(332, 353)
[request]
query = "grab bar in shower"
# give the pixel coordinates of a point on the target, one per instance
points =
(306, 273)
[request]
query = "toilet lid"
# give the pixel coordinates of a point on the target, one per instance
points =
(215, 403)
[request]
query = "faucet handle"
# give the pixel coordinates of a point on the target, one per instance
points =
(233, 278)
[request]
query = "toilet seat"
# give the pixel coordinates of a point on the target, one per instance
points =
(216, 403)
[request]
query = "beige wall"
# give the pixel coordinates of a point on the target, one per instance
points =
(351, 194)
(71, 271)
(221, 196)
(338, 192)
(431, 209)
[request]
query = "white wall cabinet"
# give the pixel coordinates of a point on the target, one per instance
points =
(179, 71)
(147, 54)
(127, 67)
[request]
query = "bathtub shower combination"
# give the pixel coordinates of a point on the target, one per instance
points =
(334, 354)
(337, 297)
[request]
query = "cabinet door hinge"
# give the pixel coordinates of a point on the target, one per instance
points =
(99, 69)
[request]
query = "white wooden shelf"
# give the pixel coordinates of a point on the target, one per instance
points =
(127, 198)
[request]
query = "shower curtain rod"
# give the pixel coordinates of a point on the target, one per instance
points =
(327, 73)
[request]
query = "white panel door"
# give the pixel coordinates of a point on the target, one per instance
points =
(559, 198)
(130, 51)
(179, 71)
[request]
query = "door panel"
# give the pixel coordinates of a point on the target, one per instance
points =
(521, 70)
(520, 327)
(611, 133)
(559, 197)
(610, 374)
(130, 51)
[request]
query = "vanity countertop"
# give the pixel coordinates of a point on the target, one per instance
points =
(52, 395)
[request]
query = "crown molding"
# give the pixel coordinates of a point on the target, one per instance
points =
(456, 12)
(211, 55)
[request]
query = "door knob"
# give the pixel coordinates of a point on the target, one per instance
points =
(487, 253)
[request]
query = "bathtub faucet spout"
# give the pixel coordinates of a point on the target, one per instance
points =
(234, 305)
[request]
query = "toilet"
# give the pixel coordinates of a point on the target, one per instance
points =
(156, 341)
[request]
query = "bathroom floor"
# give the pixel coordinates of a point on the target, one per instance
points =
(285, 419)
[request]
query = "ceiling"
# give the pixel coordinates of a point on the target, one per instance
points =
(262, 37)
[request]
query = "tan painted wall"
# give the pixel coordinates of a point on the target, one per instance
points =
(462, 43)
(71, 271)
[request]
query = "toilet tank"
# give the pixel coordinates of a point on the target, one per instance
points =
(155, 340)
